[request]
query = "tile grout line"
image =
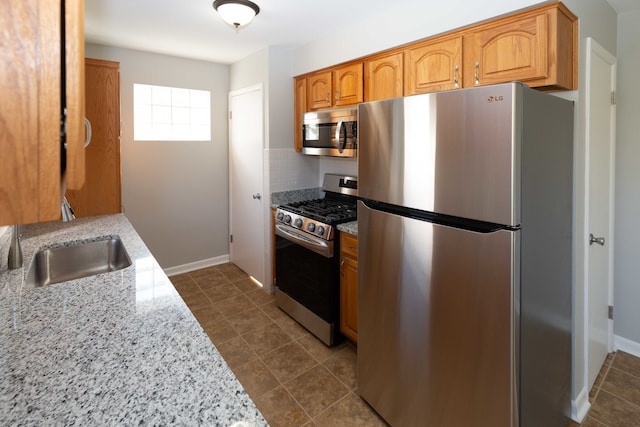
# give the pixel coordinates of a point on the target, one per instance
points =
(624, 371)
(619, 397)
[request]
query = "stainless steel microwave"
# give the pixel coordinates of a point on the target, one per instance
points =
(330, 133)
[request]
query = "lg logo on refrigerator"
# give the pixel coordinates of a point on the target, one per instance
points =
(495, 99)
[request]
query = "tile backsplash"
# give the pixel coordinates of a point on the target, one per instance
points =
(290, 170)
(339, 165)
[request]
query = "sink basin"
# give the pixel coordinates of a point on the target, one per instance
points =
(79, 260)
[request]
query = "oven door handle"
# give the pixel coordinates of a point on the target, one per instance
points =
(317, 245)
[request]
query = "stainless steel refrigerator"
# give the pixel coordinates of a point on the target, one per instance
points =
(465, 255)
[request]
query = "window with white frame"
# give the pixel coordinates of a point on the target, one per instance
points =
(162, 113)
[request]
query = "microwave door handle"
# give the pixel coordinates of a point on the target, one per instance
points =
(339, 128)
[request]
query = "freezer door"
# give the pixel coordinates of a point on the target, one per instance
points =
(436, 322)
(454, 152)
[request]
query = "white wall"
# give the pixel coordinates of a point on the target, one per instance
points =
(627, 237)
(399, 23)
(287, 169)
(174, 193)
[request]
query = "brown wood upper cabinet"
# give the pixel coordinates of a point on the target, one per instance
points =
(299, 108)
(433, 65)
(336, 87)
(347, 85)
(319, 90)
(536, 47)
(384, 77)
(30, 176)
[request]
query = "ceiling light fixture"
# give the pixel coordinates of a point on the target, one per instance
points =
(237, 13)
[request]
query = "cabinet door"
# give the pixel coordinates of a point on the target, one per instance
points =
(30, 111)
(434, 65)
(507, 51)
(74, 59)
(347, 84)
(101, 192)
(319, 90)
(349, 298)
(349, 286)
(299, 108)
(383, 77)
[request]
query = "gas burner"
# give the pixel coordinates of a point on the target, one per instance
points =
(325, 210)
(320, 216)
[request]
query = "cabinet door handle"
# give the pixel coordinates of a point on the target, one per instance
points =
(455, 76)
(341, 265)
(87, 140)
(475, 73)
(328, 97)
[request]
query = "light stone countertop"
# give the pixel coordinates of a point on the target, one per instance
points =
(290, 196)
(119, 348)
(349, 227)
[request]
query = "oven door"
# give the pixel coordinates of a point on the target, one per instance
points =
(305, 275)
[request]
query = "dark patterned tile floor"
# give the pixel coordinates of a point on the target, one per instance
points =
(615, 396)
(295, 380)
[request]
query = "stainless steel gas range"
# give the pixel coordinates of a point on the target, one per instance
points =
(307, 261)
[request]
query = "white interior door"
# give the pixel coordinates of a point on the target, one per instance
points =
(246, 142)
(600, 148)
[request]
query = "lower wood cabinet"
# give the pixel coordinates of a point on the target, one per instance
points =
(349, 286)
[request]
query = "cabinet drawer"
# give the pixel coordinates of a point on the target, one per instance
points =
(349, 245)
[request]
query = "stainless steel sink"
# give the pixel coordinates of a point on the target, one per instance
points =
(79, 260)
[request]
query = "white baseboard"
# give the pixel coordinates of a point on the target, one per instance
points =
(580, 406)
(626, 345)
(197, 265)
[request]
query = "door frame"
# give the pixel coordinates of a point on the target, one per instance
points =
(266, 269)
(593, 49)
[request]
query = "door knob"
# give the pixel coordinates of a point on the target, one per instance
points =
(257, 196)
(598, 240)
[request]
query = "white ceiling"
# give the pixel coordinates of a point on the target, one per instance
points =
(192, 29)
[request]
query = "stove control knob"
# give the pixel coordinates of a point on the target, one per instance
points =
(298, 222)
(320, 230)
(310, 227)
(287, 219)
(280, 216)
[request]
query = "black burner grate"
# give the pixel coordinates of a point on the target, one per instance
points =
(329, 211)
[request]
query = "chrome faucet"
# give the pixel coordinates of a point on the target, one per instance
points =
(15, 250)
(67, 212)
